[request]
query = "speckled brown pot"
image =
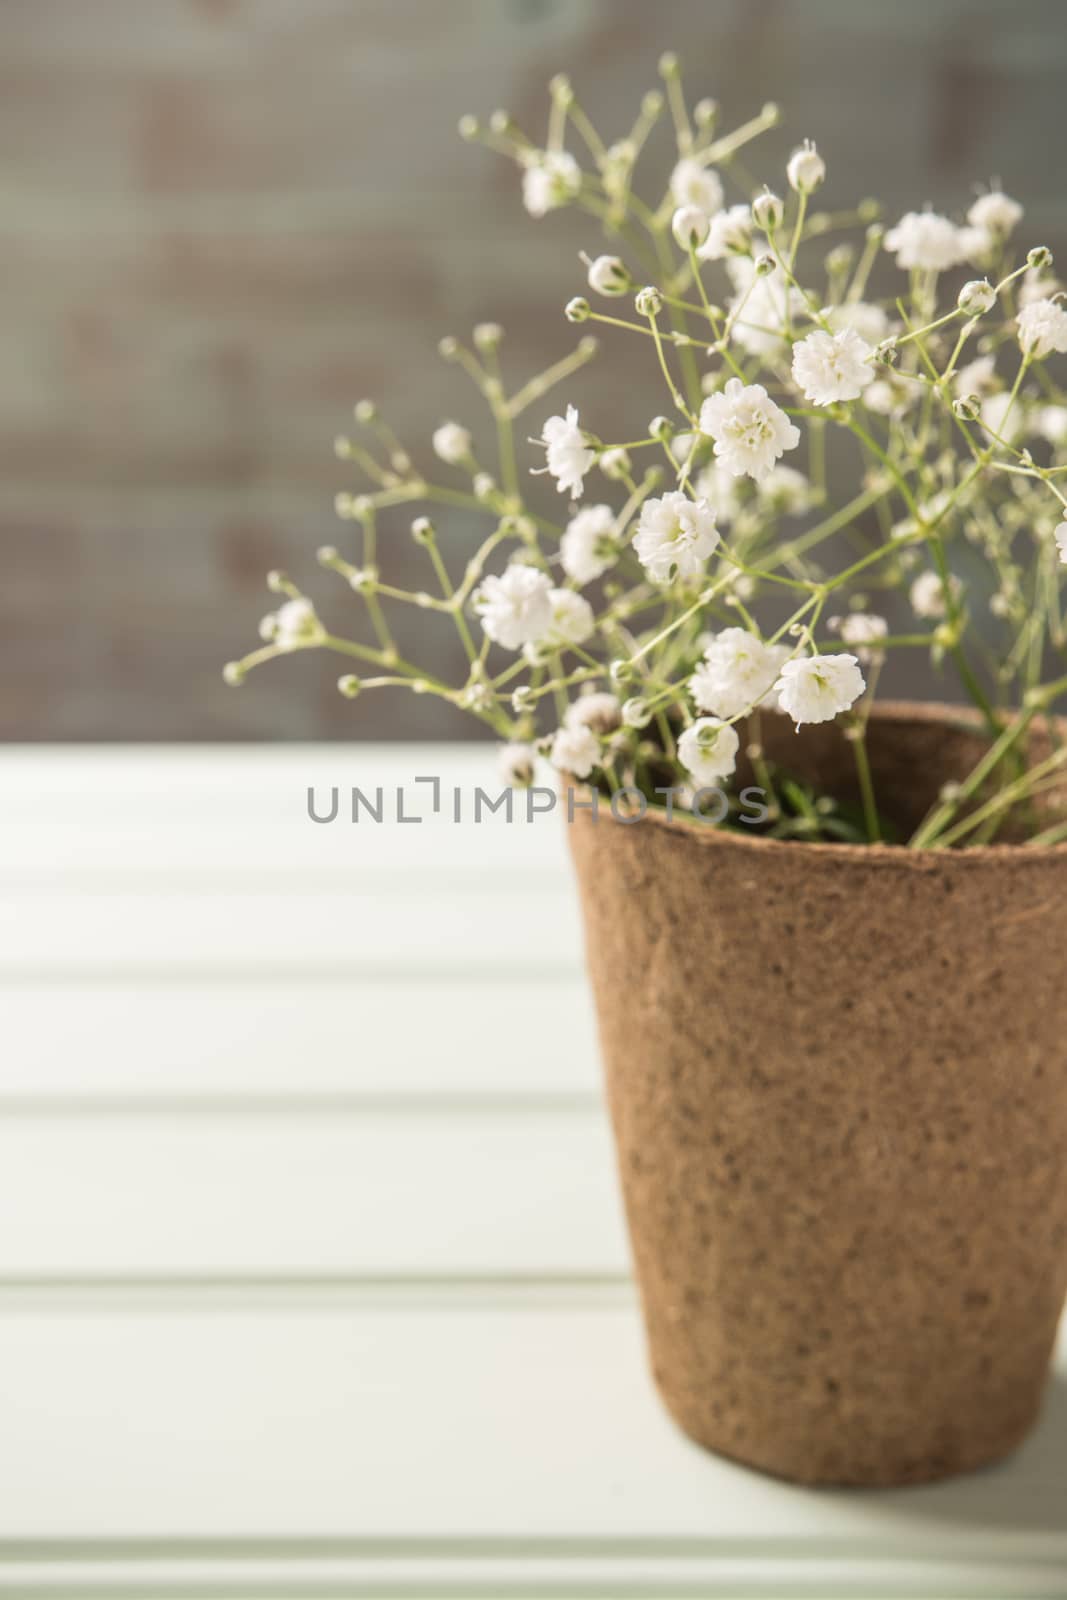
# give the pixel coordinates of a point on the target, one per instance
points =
(838, 1082)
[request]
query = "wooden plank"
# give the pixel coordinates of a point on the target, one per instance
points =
(308, 1196)
(370, 1446)
(456, 1036)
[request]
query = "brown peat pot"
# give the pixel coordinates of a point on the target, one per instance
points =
(837, 1077)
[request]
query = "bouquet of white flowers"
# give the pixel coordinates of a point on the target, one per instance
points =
(636, 639)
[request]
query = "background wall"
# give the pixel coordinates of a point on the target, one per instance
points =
(223, 221)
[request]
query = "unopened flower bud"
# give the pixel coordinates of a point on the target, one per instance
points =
(487, 335)
(668, 64)
(326, 554)
(977, 297)
(342, 505)
(620, 672)
(452, 443)
(468, 127)
(522, 699)
(1039, 258)
(887, 352)
(608, 275)
(233, 673)
(649, 302)
(765, 265)
(690, 227)
(967, 408)
(614, 463)
(560, 88)
(500, 122)
(342, 447)
(806, 169)
(447, 347)
(704, 112)
(349, 685)
(365, 411)
(484, 486)
(636, 712)
(661, 428)
(651, 104)
(422, 530)
(767, 211)
(577, 310)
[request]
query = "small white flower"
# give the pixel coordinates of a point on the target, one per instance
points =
(864, 630)
(995, 212)
(600, 712)
(1042, 328)
(977, 245)
(1061, 541)
(806, 169)
(762, 308)
(1037, 284)
(572, 619)
(720, 489)
(977, 377)
(708, 750)
(927, 241)
(608, 275)
(452, 443)
(689, 226)
(614, 463)
(832, 366)
(738, 672)
(861, 316)
(1052, 424)
(817, 688)
(786, 490)
(767, 211)
(295, 623)
(695, 185)
(674, 537)
(575, 751)
(516, 607)
(749, 429)
(569, 457)
(927, 595)
(977, 297)
(551, 178)
(516, 764)
(588, 546)
(729, 234)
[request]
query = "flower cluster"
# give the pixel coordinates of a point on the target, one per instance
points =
(705, 573)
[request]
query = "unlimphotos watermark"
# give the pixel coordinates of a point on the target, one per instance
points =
(459, 803)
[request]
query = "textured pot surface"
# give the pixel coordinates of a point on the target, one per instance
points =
(838, 1082)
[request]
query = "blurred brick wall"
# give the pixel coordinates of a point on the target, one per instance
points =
(225, 220)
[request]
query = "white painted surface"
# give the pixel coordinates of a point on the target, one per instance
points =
(312, 1272)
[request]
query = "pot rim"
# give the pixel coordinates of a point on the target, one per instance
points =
(712, 836)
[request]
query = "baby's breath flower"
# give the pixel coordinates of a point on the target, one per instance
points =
(588, 547)
(349, 685)
(551, 179)
(977, 297)
(695, 185)
(749, 429)
(1042, 328)
(806, 170)
(762, 308)
(1060, 536)
(516, 764)
(575, 751)
(569, 457)
(648, 302)
(738, 672)
(572, 619)
(1052, 424)
(296, 624)
(577, 310)
(636, 713)
(927, 241)
(996, 213)
(768, 211)
(614, 463)
(729, 233)
(609, 276)
(818, 688)
(689, 226)
(675, 535)
(863, 630)
(708, 750)
(516, 607)
(786, 490)
(927, 595)
(452, 443)
(832, 366)
(599, 711)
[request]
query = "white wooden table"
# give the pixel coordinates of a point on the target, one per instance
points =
(312, 1273)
